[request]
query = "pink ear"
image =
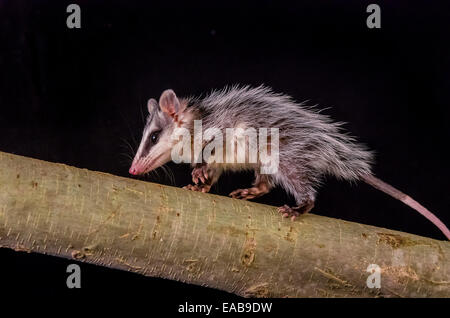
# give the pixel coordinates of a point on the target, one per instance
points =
(152, 105)
(169, 103)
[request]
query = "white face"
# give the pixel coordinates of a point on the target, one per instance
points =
(156, 144)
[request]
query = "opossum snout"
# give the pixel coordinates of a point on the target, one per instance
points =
(133, 171)
(136, 169)
(143, 165)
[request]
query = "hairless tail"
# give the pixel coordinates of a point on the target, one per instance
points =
(406, 199)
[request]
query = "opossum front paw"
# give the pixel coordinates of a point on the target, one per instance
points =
(200, 173)
(293, 212)
(246, 194)
(198, 187)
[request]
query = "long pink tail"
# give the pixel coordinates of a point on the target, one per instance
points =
(393, 192)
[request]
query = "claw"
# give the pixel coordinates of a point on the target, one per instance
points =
(293, 212)
(246, 194)
(199, 174)
(198, 187)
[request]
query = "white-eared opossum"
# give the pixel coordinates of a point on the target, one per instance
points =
(309, 144)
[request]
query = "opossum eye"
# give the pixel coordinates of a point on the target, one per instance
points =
(154, 136)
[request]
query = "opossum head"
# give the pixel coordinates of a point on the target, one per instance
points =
(156, 144)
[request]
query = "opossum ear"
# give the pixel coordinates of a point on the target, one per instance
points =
(170, 104)
(152, 105)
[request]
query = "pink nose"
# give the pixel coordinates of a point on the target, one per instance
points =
(133, 171)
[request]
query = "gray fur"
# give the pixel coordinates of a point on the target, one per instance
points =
(311, 144)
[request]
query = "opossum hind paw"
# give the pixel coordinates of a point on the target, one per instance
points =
(250, 193)
(198, 187)
(292, 212)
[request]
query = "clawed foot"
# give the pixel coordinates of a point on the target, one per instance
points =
(198, 187)
(292, 212)
(246, 194)
(289, 212)
(200, 173)
(201, 179)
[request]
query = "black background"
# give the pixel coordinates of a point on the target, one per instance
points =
(77, 96)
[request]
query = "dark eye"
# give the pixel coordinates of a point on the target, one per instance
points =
(154, 137)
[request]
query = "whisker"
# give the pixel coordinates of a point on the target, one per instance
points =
(129, 128)
(169, 174)
(155, 172)
(127, 144)
(126, 157)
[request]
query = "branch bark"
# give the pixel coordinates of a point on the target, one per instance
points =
(237, 246)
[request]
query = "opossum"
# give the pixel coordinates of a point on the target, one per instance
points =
(309, 144)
